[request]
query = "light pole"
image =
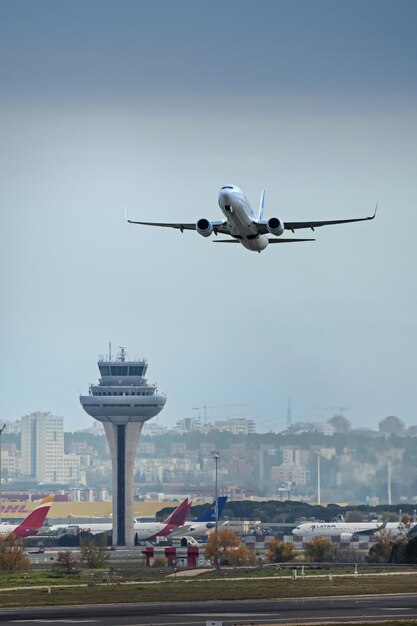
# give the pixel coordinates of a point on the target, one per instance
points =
(389, 481)
(1, 432)
(318, 478)
(216, 457)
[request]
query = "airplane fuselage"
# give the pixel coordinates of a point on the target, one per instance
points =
(340, 529)
(334, 529)
(17, 529)
(240, 218)
(144, 530)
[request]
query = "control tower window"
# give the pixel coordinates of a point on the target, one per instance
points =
(135, 370)
(104, 370)
(118, 370)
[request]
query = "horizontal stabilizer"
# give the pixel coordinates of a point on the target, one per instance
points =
(280, 240)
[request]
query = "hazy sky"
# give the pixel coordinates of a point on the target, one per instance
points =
(156, 104)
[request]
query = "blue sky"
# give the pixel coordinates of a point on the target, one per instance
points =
(155, 105)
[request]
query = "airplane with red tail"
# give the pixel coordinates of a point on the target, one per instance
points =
(32, 522)
(144, 530)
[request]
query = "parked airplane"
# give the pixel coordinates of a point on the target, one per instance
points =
(399, 530)
(344, 530)
(244, 226)
(204, 523)
(32, 522)
(143, 530)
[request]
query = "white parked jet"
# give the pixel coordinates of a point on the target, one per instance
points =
(205, 523)
(344, 530)
(244, 226)
(32, 522)
(143, 530)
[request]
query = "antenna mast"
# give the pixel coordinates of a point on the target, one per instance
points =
(289, 414)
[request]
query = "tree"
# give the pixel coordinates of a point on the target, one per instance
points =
(12, 554)
(159, 561)
(406, 520)
(280, 552)
(67, 561)
(340, 424)
(411, 551)
(240, 556)
(94, 553)
(380, 552)
(320, 550)
(398, 551)
(404, 551)
(220, 544)
(391, 425)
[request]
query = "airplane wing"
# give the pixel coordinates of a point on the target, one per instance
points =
(180, 531)
(179, 226)
(290, 240)
(316, 224)
(369, 531)
(219, 226)
(263, 230)
(277, 240)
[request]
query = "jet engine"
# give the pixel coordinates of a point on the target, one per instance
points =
(204, 227)
(275, 226)
(345, 537)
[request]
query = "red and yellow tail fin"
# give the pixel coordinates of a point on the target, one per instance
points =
(32, 522)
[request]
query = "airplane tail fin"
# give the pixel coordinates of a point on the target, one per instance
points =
(261, 205)
(178, 517)
(209, 515)
(34, 520)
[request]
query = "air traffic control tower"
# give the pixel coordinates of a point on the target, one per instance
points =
(122, 400)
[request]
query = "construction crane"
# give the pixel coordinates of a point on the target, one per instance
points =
(212, 406)
(341, 409)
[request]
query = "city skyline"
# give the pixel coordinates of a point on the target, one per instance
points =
(150, 106)
(356, 465)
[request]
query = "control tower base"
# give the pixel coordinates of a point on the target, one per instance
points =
(123, 439)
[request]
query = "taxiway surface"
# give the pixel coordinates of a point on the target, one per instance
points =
(286, 611)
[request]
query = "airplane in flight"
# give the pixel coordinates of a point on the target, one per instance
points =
(32, 522)
(143, 530)
(246, 227)
(204, 523)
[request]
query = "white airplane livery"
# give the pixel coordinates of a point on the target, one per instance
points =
(143, 530)
(32, 522)
(243, 226)
(346, 530)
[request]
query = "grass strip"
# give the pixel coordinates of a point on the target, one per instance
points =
(195, 590)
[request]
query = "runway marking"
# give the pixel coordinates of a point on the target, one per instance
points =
(271, 620)
(46, 620)
(268, 618)
(226, 613)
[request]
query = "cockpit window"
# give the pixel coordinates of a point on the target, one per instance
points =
(227, 187)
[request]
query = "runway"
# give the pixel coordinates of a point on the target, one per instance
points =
(239, 613)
